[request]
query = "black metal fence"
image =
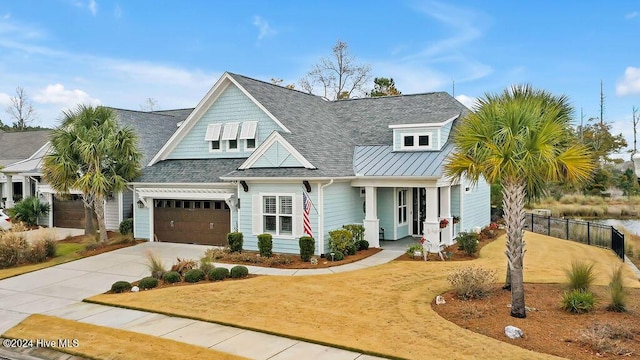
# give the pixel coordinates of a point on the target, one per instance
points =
(585, 232)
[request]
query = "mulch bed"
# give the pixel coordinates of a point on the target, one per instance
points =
(297, 263)
(457, 254)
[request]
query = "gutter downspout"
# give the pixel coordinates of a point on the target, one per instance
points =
(321, 215)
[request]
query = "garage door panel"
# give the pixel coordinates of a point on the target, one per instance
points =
(191, 225)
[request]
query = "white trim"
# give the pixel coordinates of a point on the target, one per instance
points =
(246, 145)
(423, 125)
(184, 194)
(295, 211)
(188, 185)
(284, 128)
(120, 209)
(46, 188)
(212, 150)
(152, 225)
(416, 141)
(230, 149)
(272, 139)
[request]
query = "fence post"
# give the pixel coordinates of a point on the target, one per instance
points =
(549, 226)
(588, 234)
(567, 227)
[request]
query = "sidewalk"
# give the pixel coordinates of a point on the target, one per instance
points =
(59, 290)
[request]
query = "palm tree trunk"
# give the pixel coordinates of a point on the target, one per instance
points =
(507, 280)
(513, 201)
(99, 208)
(89, 226)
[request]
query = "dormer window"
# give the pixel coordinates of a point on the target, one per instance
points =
(213, 137)
(248, 134)
(416, 141)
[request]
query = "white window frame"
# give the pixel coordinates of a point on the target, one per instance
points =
(212, 150)
(416, 139)
(246, 144)
(213, 135)
(230, 149)
(278, 214)
(402, 195)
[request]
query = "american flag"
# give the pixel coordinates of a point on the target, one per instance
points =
(306, 203)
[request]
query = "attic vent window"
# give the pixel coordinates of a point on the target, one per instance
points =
(416, 141)
(213, 136)
(248, 134)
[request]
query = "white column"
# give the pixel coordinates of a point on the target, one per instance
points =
(445, 213)
(371, 222)
(26, 187)
(431, 222)
(9, 193)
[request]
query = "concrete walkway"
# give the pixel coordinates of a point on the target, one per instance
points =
(59, 290)
(56, 232)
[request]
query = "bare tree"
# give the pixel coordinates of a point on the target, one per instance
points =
(337, 77)
(21, 109)
(150, 104)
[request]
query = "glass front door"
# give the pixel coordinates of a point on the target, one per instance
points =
(419, 210)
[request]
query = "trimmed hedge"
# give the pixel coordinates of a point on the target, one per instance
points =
(362, 245)
(265, 245)
(218, 274)
(171, 277)
(126, 226)
(194, 275)
(337, 256)
(148, 283)
(235, 241)
(239, 271)
(120, 286)
(307, 247)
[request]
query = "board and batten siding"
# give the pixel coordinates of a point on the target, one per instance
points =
(231, 106)
(342, 205)
(386, 213)
(476, 206)
(276, 156)
(250, 212)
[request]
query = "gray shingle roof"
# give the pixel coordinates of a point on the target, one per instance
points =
(380, 160)
(189, 171)
(17, 146)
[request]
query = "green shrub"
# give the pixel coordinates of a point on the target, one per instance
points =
(218, 274)
(194, 275)
(155, 265)
(148, 283)
(356, 230)
(52, 246)
(411, 249)
(307, 247)
(337, 256)
(351, 249)
(265, 245)
(578, 301)
(28, 210)
(617, 292)
(362, 245)
(472, 282)
(581, 275)
(126, 226)
(120, 286)
(206, 265)
(339, 240)
(171, 277)
(468, 242)
(239, 271)
(235, 241)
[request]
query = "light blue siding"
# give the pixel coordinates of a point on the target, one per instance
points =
(141, 223)
(276, 156)
(444, 133)
(476, 205)
(342, 205)
(245, 213)
(231, 106)
(386, 211)
(455, 200)
(127, 204)
(398, 135)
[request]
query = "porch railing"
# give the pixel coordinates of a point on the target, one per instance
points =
(585, 232)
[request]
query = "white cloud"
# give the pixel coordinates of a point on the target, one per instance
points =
(5, 100)
(92, 5)
(630, 84)
(6, 16)
(631, 15)
(57, 94)
(158, 74)
(467, 101)
(264, 29)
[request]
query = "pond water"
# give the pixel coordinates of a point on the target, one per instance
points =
(630, 225)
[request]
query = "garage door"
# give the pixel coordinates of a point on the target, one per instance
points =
(68, 213)
(192, 222)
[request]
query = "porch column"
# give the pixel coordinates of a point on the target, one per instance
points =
(9, 193)
(371, 222)
(26, 187)
(445, 213)
(431, 222)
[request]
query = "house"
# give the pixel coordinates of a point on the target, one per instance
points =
(153, 129)
(251, 155)
(15, 147)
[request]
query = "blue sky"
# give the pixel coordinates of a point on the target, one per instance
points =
(119, 53)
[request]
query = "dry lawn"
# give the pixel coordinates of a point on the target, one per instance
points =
(98, 342)
(380, 310)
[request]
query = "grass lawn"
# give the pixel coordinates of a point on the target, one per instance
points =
(98, 342)
(381, 310)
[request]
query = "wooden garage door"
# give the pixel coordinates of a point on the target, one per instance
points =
(68, 213)
(192, 222)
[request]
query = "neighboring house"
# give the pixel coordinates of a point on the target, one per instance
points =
(15, 147)
(242, 160)
(153, 130)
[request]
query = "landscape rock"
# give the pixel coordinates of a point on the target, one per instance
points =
(135, 289)
(513, 332)
(440, 300)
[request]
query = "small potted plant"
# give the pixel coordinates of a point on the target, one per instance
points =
(456, 219)
(444, 223)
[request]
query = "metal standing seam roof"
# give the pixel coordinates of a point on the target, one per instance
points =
(381, 160)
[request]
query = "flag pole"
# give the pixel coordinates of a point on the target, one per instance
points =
(312, 204)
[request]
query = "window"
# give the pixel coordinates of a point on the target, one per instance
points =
(277, 213)
(416, 141)
(232, 145)
(408, 141)
(213, 136)
(402, 207)
(215, 145)
(423, 140)
(248, 133)
(250, 144)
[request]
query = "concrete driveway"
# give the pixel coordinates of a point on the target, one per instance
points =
(58, 291)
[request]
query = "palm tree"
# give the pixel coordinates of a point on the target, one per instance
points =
(91, 154)
(522, 140)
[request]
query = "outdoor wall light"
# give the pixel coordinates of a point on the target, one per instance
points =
(140, 204)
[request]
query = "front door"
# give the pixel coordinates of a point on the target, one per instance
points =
(419, 210)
